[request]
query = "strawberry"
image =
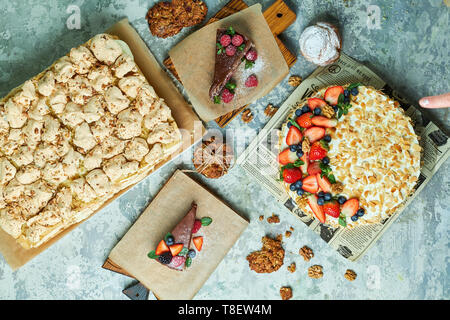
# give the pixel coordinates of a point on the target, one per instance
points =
(198, 243)
(304, 120)
(291, 175)
(322, 121)
(317, 152)
(294, 136)
(332, 208)
(310, 184)
(332, 94)
(287, 156)
(318, 211)
(324, 183)
(197, 226)
(161, 248)
(314, 133)
(350, 207)
(176, 249)
(305, 159)
(314, 168)
(316, 102)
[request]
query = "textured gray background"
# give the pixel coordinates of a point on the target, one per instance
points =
(411, 261)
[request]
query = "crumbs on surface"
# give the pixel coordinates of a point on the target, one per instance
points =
(286, 293)
(291, 268)
(273, 219)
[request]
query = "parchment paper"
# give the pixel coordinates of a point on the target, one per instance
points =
(194, 59)
(164, 212)
(14, 254)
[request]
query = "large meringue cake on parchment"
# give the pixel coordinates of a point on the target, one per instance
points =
(75, 135)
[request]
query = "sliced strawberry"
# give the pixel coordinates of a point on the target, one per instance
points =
(324, 183)
(294, 136)
(310, 184)
(176, 249)
(198, 243)
(318, 211)
(291, 175)
(322, 121)
(332, 209)
(304, 120)
(332, 94)
(317, 152)
(314, 134)
(287, 156)
(316, 102)
(350, 207)
(161, 248)
(314, 168)
(305, 159)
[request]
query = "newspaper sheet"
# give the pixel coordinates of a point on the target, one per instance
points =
(259, 159)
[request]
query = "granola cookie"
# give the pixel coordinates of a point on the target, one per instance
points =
(270, 258)
(189, 12)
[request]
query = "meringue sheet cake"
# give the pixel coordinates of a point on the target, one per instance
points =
(85, 128)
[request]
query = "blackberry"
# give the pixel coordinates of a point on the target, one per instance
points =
(165, 258)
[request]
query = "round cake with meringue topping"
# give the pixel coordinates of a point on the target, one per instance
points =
(349, 156)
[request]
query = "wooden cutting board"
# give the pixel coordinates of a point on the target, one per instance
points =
(278, 16)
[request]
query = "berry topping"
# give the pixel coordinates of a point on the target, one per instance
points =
(305, 109)
(332, 209)
(354, 218)
(197, 226)
(305, 159)
(230, 50)
(298, 113)
(314, 168)
(170, 240)
(327, 138)
(293, 187)
(322, 121)
(342, 199)
(324, 185)
(314, 134)
(332, 94)
(350, 207)
(346, 93)
(191, 254)
(304, 120)
(327, 196)
(326, 160)
(320, 201)
(227, 96)
(237, 40)
(293, 137)
(291, 175)
(300, 153)
(251, 81)
(287, 156)
(316, 102)
(310, 184)
(317, 111)
(198, 243)
(317, 151)
(300, 192)
(225, 40)
(251, 55)
(162, 247)
(165, 258)
(176, 249)
(360, 212)
(354, 91)
(178, 261)
(316, 208)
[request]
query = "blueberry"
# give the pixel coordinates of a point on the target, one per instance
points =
(327, 196)
(170, 240)
(191, 253)
(360, 212)
(300, 153)
(354, 218)
(305, 109)
(347, 100)
(317, 111)
(326, 160)
(289, 124)
(298, 112)
(299, 184)
(293, 187)
(327, 138)
(341, 199)
(299, 147)
(320, 201)
(321, 194)
(293, 148)
(346, 93)
(335, 108)
(300, 192)
(354, 91)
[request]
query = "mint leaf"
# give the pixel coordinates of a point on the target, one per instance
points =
(241, 47)
(249, 64)
(342, 221)
(183, 252)
(341, 99)
(152, 255)
(167, 235)
(217, 100)
(332, 179)
(354, 85)
(231, 31)
(219, 47)
(206, 221)
(188, 262)
(295, 124)
(230, 85)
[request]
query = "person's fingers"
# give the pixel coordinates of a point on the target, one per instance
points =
(440, 101)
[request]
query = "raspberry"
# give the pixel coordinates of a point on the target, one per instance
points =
(230, 50)
(197, 226)
(178, 261)
(251, 55)
(225, 40)
(237, 40)
(227, 96)
(251, 81)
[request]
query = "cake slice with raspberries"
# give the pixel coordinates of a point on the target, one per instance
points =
(348, 155)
